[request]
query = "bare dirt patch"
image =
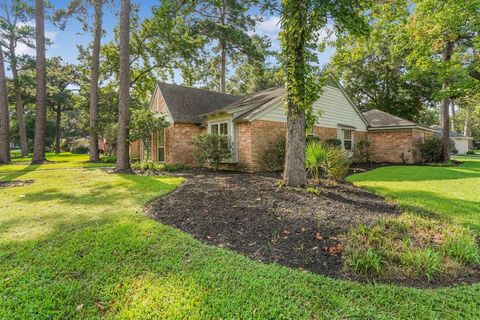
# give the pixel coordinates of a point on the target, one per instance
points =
(15, 183)
(249, 214)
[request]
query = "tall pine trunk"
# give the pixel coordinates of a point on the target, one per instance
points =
(4, 117)
(467, 131)
(223, 68)
(452, 116)
(58, 121)
(94, 75)
(294, 43)
(123, 157)
(223, 54)
(18, 101)
(447, 56)
(41, 111)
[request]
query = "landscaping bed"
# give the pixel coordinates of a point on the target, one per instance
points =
(252, 215)
(310, 229)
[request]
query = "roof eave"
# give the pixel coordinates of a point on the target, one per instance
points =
(383, 128)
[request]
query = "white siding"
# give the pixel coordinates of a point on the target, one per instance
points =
(335, 108)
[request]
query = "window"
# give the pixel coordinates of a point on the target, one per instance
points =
(347, 139)
(219, 128)
(161, 145)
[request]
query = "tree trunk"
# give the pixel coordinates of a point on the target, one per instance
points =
(94, 75)
(452, 116)
(4, 117)
(467, 129)
(294, 63)
(123, 157)
(18, 101)
(447, 56)
(223, 55)
(295, 172)
(57, 128)
(41, 111)
(223, 68)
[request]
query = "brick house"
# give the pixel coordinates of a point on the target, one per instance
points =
(256, 121)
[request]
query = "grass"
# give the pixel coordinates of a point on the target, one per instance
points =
(64, 160)
(76, 244)
(448, 192)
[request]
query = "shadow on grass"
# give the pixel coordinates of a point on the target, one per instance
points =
(136, 268)
(432, 205)
(419, 173)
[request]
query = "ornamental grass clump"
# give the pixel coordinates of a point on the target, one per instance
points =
(410, 247)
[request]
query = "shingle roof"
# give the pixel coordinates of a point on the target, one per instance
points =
(452, 134)
(186, 104)
(379, 119)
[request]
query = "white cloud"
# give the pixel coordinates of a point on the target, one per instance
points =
(269, 26)
(24, 49)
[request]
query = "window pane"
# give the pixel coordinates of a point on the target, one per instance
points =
(224, 128)
(347, 134)
(347, 144)
(214, 129)
(161, 137)
(161, 154)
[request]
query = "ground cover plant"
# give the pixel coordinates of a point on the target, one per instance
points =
(76, 244)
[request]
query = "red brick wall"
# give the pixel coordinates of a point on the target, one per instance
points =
(389, 145)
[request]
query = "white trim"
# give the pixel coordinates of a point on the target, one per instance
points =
(231, 133)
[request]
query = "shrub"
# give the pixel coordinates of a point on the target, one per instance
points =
(108, 159)
(316, 155)
(155, 166)
(212, 148)
(362, 150)
(333, 142)
(336, 164)
(470, 152)
(430, 149)
(274, 158)
(80, 150)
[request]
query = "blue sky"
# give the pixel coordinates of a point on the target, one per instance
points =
(65, 41)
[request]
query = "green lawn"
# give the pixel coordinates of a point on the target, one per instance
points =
(451, 192)
(78, 239)
(63, 160)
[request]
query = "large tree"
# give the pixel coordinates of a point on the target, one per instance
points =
(60, 98)
(373, 69)
(41, 92)
(4, 116)
(226, 27)
(15, 29)
(123, 156)
(301, 22)
(80, 8)
(439, 32)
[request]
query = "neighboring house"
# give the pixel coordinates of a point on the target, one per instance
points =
(254, 122)
(462, 143)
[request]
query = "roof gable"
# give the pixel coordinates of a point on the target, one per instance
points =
(186, 104)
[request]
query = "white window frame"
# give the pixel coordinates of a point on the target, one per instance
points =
(161, 146)
(230, 133)
(352, 138)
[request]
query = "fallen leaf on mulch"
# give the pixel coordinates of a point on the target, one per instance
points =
(334, 250)
(318, 236)
(286, 232)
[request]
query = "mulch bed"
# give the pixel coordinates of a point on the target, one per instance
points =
(250, 214)
(15, 183)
